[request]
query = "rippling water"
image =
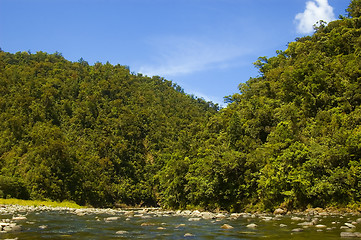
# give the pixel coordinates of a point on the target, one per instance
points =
(67, 225)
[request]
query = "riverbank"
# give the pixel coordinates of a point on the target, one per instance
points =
(35, 203)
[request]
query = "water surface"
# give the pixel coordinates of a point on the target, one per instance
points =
(68, 225)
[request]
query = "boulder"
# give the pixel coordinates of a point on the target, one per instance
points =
(226, 226)
(208, 215)
(350, 225)
(252, 225)
(280, 211)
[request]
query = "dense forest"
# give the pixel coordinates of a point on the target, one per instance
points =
(101, 135)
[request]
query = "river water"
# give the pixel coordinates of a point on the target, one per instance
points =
(65, 224)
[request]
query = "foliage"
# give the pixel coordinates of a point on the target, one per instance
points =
(100, 135)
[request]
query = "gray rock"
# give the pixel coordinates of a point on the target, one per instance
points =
(283, 225)
(188, 235)
(194, 219)
(320, 226)
(358, 220)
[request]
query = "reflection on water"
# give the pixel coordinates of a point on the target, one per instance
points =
(67, 225)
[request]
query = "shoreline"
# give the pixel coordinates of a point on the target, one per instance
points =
(37, 205)
(8, 209)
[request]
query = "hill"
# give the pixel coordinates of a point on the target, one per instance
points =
(101, 135)
(91, 134)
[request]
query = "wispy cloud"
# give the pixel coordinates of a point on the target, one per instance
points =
(174, 56)
(315, 11)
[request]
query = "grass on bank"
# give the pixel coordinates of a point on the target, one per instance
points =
(35, 203)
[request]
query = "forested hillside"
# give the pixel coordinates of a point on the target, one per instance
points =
(92, 134)
(291, 137)
(100, 135)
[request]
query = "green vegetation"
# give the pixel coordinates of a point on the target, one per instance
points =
(36, 203)
(100, 135)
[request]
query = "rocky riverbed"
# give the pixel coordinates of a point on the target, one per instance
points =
(28, 222)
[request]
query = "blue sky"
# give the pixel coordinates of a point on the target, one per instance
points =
(206, 46)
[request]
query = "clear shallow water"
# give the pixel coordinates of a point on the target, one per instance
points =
(67, 225)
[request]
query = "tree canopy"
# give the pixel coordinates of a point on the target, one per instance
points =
(101, 135)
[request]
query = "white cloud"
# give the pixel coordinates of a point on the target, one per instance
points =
(315, 11)
(176, 56)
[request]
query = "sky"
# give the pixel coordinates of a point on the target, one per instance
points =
(208, 47)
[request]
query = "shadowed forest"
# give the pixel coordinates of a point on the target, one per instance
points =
(103, 136)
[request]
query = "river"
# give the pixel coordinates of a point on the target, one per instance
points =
(45, 223)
